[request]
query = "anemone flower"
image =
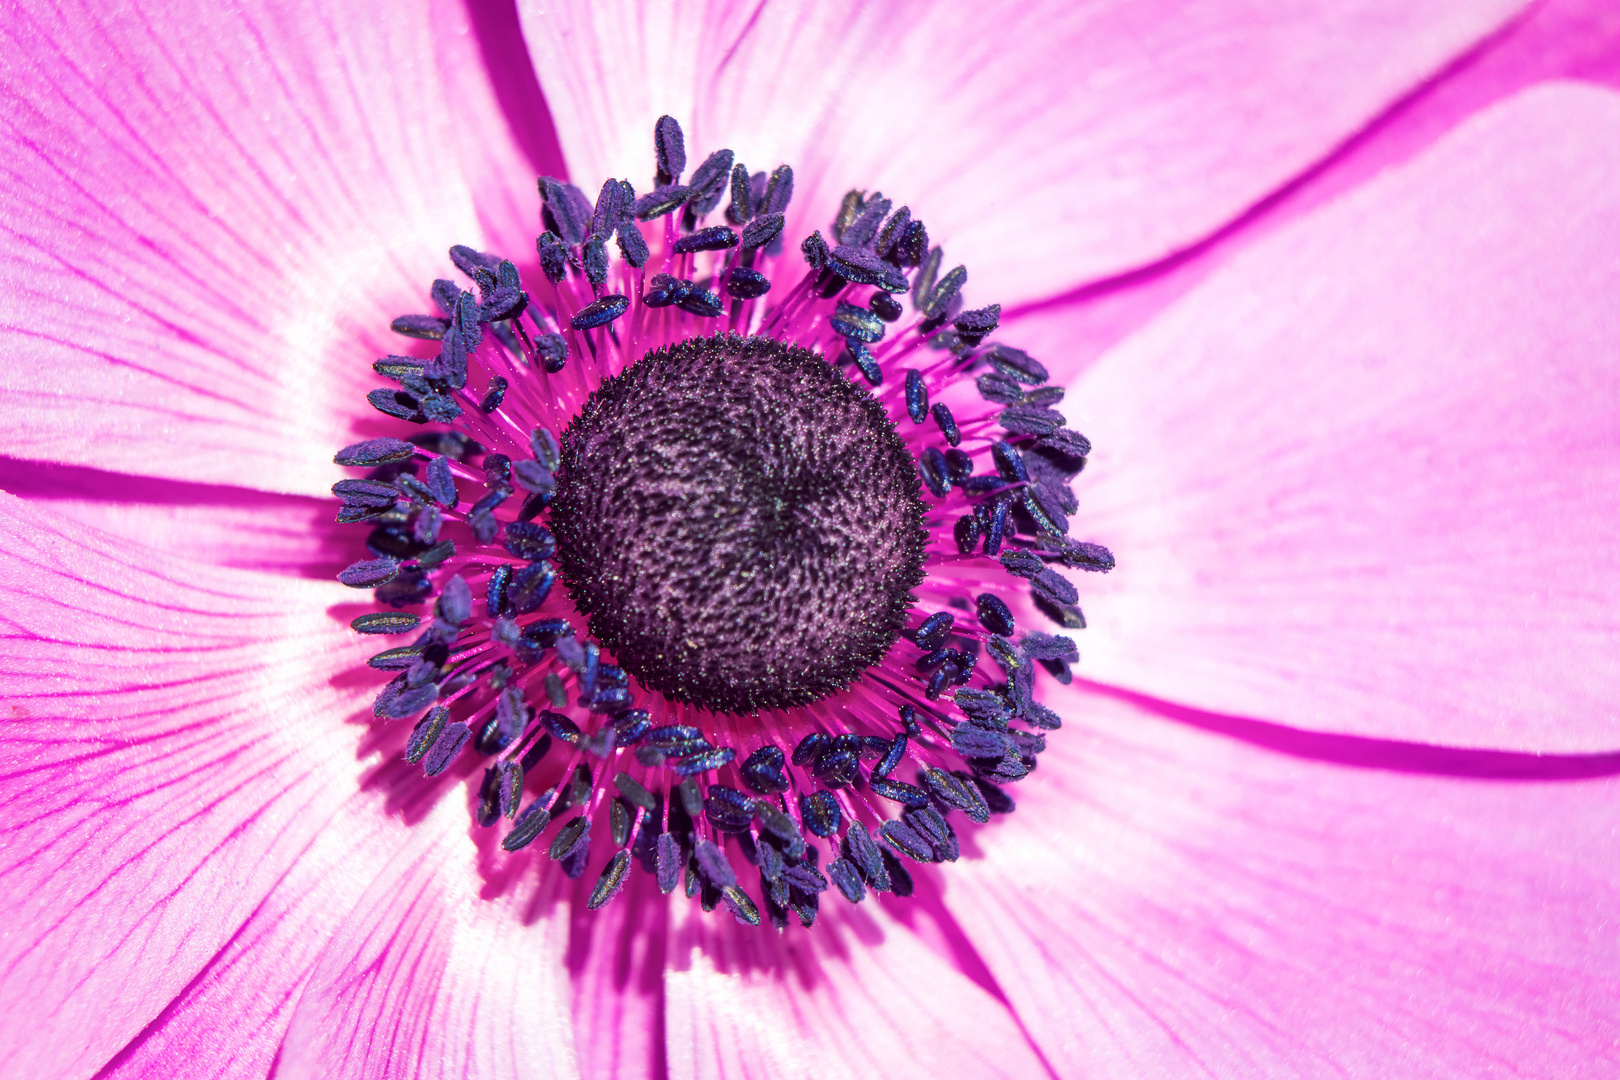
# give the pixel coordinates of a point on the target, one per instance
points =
(1328, 286)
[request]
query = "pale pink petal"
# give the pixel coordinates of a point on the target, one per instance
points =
(432, 974)
(211, 216)
(1170, 902)
(1366, 478)
(213, 523)
(173, 746)
(1046, 145)
(861, 994)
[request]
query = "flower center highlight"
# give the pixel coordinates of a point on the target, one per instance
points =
(740, 523)
(798, 527)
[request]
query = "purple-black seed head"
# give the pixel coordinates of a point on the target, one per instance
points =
(740, 524)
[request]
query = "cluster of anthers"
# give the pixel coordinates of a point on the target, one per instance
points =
(775, 604)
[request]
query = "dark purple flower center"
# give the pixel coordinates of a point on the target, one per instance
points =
(740, 523)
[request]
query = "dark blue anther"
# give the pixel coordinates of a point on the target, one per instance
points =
(938, 301)
(901, 792)
(566, 210)
(859, 848)
(908, 720)
(594, 261)
(373, 494)
(847, 877)
(663, 290)
(947, 424)
(839, 764)
(425, 529)
(1039, 646)
(560, 726)
(864, 229)
(865, 362)
(912, 246)
(763, 770)
(661, 200)
(445, 748)
(1066, 444)
(669, 152)
(708, 182)
(552, 350)
(778, 191)
(995, 799)
(426, 327)
(700, 301)
(543, 444)
(931, 464)
(916, 397)
(488, 503)
(669, 863)
(1005, 653)
(572, 835)
(885, 306)
(499, 580)
(534, 477)
(470, 260)
(494, 394)
(1044, 511)
(904, 839)
(940, 680)
(746, 283)
(714, 238)
(1024, 564)
(529, 824)
(891, 232)
(545, 632)
(974, 326)
(374, 452)
(369, 573)
(600, 313)
(1017, 365)
(1000, 390)
(396, 368)
(411, 700)
(728, 810)
(848, 210)
(935, 629)
(1043, 395)
(810, 748)
(672, 735)
(435, 555)
(634, 793)
(931, 661)
(1009, 462)
(455, 601)
(761, 231)
(707, 761)
(527, 540)
(1030, 419)
(386, 622)
(891, 759)
(445, 293)
(742, 196)
(994, 615)
(440, 408)
(997, 529)
(553, 256)
(632, 245)
(396, 403)
(864, 268)
(611, 881)
(858, 323)
(958, 464)
(1055, 588)
(426, 733)
(1088, 556)
(814, 250)
(820, 813)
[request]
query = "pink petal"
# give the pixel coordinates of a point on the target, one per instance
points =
(173, 751)
(430, 976)
(861, 994)
(1165, 902)
(616, 958)
(213, 217)
(1045, 145)
(1365, 479)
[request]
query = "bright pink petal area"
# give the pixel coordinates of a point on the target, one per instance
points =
(858, 995)
(1166, 902)
(1366, 478)
(211, 216)
(427, 978)
(1045, 144)
(616, 959)
(173, 749)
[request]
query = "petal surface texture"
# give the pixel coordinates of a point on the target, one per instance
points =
(1045, 144)
(175, 757)
(1365, 478)
(212, 216)
(1167, 902)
